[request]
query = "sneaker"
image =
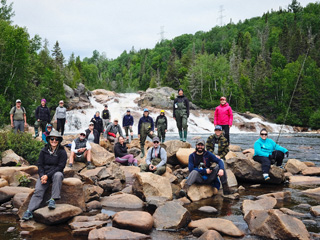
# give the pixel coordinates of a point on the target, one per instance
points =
(51, 203)
(266, 177)
(70, 165)
(90, 166)
(27, 215)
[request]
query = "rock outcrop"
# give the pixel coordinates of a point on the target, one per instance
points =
(137, 221)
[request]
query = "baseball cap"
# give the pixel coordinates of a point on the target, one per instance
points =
(128, 110)
(18, 100)
(116, 120)
(91, 123)
(218, 127)
(200, 141)
(155, 139)
(146, 110)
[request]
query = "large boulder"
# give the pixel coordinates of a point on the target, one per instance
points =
(171, 215)
(279, 196)
(172, 147)
(19, 199)
(137, 221)
(304, 180)
(62, 213)
(130, 172)
(107, 233)
(3, 182)
(77, 98)
(311, 171)
(265, 203)
(6, 193)
(275, 224)
(197, 192)
(100, 156)
(122, 200)
(148, 184)
(221, 225)
(10, 158)
(295, 166)
(250, 171)
(92, 192)
(10, 174)
(183, 155)
(235, 148)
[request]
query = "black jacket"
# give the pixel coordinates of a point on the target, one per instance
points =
(43, 113)
(178, 100)
(120, 150)
(50, 164)
(95, 134)
(98, 124)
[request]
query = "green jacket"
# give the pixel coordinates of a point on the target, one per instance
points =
(223, 146)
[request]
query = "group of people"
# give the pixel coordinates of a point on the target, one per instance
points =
(205, 164)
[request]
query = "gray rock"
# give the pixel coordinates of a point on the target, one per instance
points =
(115, 233)
(11, 229)
(199, 231)
(315, 211)
(19, 199)
(265, 203)
(122, 200)
(208, 209)
(93, 205)
(137, 221)
(6, 193)
(211, 235)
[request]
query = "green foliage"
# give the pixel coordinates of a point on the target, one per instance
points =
(315, 120)
(24, 181)
(22, 144)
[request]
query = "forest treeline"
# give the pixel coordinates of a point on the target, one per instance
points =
(255, 64)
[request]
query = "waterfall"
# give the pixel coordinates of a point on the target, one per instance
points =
(79, 119)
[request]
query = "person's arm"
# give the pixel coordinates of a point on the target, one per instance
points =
(187, 106)
(120, 131)
(124, 117)
(278, 147)
(139, 126)
(174, 109)
(37, 113)
(40, 164)
(73, 147)
(152, 124)
(25, 118)
(62, 157)
(258, 151)
(230, 116)
(11, 120)
(163, 158)
(108, 128)
(156, 123)
(224, 145)
(88, 146)
(191, 166)
(166, 123)
(213, 158)
(149, 157)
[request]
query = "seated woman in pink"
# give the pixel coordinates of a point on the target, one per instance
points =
(121, 153)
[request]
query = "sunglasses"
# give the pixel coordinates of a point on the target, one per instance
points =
(54, 139)
(82, 134)
(264, 134)
(155, 142)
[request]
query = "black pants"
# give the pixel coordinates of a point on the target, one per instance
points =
(277, 157)
(226, 129)
(60, 125)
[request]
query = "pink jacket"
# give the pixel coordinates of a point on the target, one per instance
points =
(223, 115)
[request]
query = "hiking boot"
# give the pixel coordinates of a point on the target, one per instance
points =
(51, 204)
(180, 135)
(36, 135)
(90, 166)
(27, 215)
(183, 191)
(142, 152)
(185, 133)
(131, 138)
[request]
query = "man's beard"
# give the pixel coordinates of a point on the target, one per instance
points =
(199, 150)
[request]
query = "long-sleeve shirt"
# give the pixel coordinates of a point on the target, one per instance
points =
(43, 113)
(264, 148)
(61, 112)
(152, 152)
(127, 121)
(113, 129)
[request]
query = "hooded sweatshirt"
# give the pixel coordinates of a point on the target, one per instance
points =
(264, 148)
(223, 115)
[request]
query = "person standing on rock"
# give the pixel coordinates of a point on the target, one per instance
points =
(18, 117)
(156, 159)
(42, 117)
(81, 151)
(145, 128)
(223, 116)
(121, 153)
(217, 143)
(106, 116)
(127, 123)
(61, 115)
(52, 160)
(92, 135)
(202, 172)
(98, 124)
(112, 130)
(267, 152)
(161, 126)
(181, 114)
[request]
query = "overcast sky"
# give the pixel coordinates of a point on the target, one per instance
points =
(82, 26)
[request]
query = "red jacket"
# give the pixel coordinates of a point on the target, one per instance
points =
(223, 115)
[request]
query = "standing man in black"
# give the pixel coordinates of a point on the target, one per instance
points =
(106, 116)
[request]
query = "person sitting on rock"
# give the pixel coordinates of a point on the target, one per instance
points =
(46, 133)
(92, 135)
(52, 160)
(156, 159)
(121, 153)
(127, 123)
(161, 126)
(98, 123)
(145, 128)
(112, 130)
(217, 143)
(267, 152)
(81, 151)
(202, 172)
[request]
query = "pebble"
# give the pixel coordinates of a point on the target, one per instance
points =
(208, 209)
(11, 229)
(255, 185)
(23, 233)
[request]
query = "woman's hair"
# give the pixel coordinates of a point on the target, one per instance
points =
(263, 130)
(120, 137)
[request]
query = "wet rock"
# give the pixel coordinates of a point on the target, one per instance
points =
(197, 192)
(3, 182)
(304, 206)
(234, 196)
(100, 156)
(181, 173)
(115, 233)
(10, 158)
(249, 153)
(311, 171)
(171, 216)
(24, 233)
(149, 184)
(234, 148)
(183, 155)
(32, 225)
(232, 180)
(98, 217)
(93, 205)
(219, 224)
(137, 221)
(265, 203)
(172, 147)
(275, 224)
(122, 200)
(309, 222)
(19, 199)
(62, 213)
(303, 180)
(111, 185)
(295, 166)
(199, 231)
(92, 192)
(310, 164)
(250, 171)
(156, 201)
(292, 213)
(279, 196)
(241, 188)
(230, 154)
(208, 209)
(6, 193)
(211, 235)
(315, 211)
(312, 192)
(11, 229)
(83, 228)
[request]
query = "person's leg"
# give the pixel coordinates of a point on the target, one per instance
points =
(151, 135)
(123, 160)
(185, 127)
(163, 133)
(131, 132)
(278, 156)
(58, 124)
(43, 125)
(71, 158)
(16, 126)
(143, 137)
(144, 168)
(57, 179)
(20, 126)
(37, 196)
(126, 129)
(226, 130)
(36, 128)
(161, 170)
(194, 177)
(63, 123)
(179, 125)
(265, 163)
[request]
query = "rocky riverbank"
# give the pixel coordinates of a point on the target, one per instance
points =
(144, 203)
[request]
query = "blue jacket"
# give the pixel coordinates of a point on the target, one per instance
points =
(264, 148)
(208, 159)
(127, 121)
(144, 119)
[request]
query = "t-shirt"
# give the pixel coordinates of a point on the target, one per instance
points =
(91, 138)
(18, 115)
